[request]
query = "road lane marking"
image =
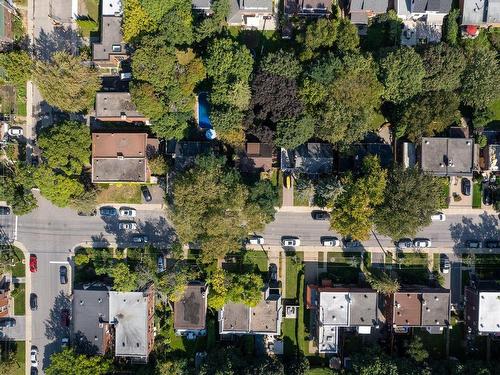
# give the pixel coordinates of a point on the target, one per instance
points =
(15, 229)
(59, 262)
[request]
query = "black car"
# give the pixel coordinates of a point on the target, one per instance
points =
(146, 193)
(273, 272)
(4, 210)
(7, 322)
(108, 211)
(33, 301)
(487, 196)
(320, 215)
(34, 371)
(492, 244)
(465, 186)
(63, 274)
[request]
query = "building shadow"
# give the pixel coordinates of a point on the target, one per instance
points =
(55, 328)
(61, 39)
(487, 227)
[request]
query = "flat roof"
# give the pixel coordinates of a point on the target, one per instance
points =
(190, 311)
(407, 309)
(363, 309)
(334, 308)
(129, 313)
(113, 145)
(436, 308)
(235, 317)
(328, 339)
(489, 308)
(447, 156)
(115, 105)
(263, 317)
(114, 169)
(111, 42)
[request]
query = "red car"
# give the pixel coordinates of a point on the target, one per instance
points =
(33, 263)
(65, 317)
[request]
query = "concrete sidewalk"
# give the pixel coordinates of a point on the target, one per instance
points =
(446, 211)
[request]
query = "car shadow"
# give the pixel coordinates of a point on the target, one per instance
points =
(486, 228)
(55, 331)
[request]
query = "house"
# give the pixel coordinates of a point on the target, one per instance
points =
(448, 156)
(121, 157)
(360, 12)
(314, 158)
(90, 310)
(190, 312)
(422, 20)
(110, 50)
(477, 14)
(185, 152)
(482, 304)
(427, 308)
(263, 319)
(253, 14)
(202, 6)
(352, 158)
(308, 7)
(492, 157)
(256, 157)
(132, 317)
(337, 308)
(117, 107)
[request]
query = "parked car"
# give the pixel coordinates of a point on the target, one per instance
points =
(487, 196)
(320, 215)
(7, 322)
(108, 211)
(33, 302)
(445, 264)
(33, 371)
(290, 241)
(33, 263)
(128, 212)
(15, 131)
(63, 274)
(34, 356)
(404, 243)
(492, 244)
(127, 225)
(125, 76)
(88, 213)
(4, 210)
(473, 244)
(161, 263)
(146, 194)
(65, 317)
(465, 186)
(273, 272)
(422, 242)
(64, 342)
(330, 241)
(140, 238)
(438, 216)
(350, 243)
(256, 240)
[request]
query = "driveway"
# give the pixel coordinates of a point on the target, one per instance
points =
(17, 333)
(456, 188)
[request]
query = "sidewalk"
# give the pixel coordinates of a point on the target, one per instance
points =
(446, 211)
(139, 207)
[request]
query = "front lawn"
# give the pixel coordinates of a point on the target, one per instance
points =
(487, 266)
(476, 194)
(19, 269)
(19, 299)
(120, 193)
(257, 260)
(18, 348)
(293, 266)
(494, 123)
(344, 268)
(412, 268)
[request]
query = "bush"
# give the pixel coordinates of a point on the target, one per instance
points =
(158, 166)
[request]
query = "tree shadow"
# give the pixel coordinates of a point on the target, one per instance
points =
(61, 39)
(54, 327)
(484, 229)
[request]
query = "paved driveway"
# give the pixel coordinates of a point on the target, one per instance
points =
(17, 333)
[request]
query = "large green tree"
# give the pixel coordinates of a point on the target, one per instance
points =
(66, 83)
(68, 362)
(15, 187)
(411, 197)
(281, 63)
(56, 187)
(66, 146)
(402, 73)
(16, 67)
(444, 66)
(291, 133)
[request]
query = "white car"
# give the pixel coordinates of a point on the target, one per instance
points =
(422, 242)
(445, 266)
(438, 216)
(127, 225)
(290, 241)
(34, 356)
(15, 131)
(330, 241)
(128, 212)
(256, 240)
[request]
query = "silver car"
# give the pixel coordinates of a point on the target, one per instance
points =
(422, 242)
(127, 225)
(290, 241)
(128, 212)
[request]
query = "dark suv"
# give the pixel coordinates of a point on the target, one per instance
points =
(33, 301)
(465, 186)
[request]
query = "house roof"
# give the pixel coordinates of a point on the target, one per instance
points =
(187, 151)
(334, 308)
(201, 4)
(373, 6)
(116, 106)
(314, 158)
(359, 17)
(435, 308)
(258, 5)
(363, 308)
(90, 309)
(407, 309)
(447, 156)
(493, 152)
(489, 306)
(111, 7)
(129, 313)
(257, 156)
(111, 42)
(264, 316)
(315, 5)
(235, 318)
(481, 12)
(190, 311)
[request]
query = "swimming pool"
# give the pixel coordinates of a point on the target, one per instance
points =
(203, 111)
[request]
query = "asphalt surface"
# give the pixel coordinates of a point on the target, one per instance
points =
(18, 332)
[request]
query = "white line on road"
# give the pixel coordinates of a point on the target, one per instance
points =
(59, 262)
(15, 229)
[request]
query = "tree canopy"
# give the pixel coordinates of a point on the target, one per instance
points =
(291, 133)
(56, 187)
(232, 287)
(281, 63)
(444, 66)
(68, 362)
(16, 187)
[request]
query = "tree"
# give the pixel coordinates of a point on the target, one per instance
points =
(16, 186)
(411, 197)
(66, 146)
(68, 362)
(382, 282)
(232, 287)
(264, 197)
(173, 366)
(291, 133)
(281, 63)
(147, 101)
(214, 24)
(416, 350)
(347, 36)
(402, 73)
(57, 188)
(326, 191)
(451, 29)
(353, 209)
(17, 67)
(321, 34)
(384, 31)
(9, 365)
(444, 66)
(66, 83)
(158, 165)
(172, 283)
(481, 79)
(373, 362)
(226, 119)
(123, 279)
(428, 114)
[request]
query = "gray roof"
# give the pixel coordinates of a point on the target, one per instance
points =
(129, 314)
(264, 316)
(116, 105)
(201, 4)
(190, 311)
(374, 6)
(438, 6)
(258, 5)
(435, 308)
(363, 308)
(235, 318)
(447, 156)
(240, 7)
(187, 151)
(117, 169)
(481, 12)
(314, 158)
(111, 39)
(90, 309)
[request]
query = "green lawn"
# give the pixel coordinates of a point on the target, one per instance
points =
(412, 268)
(256, 259)
(288, 331)
(476, 194)
(487, 266)
(18, 348)
(119, 193)
(20, 356)
(19, 300)
(436, 262)
(292, 271)
(19, 269)
(495, 120)
(344, 267)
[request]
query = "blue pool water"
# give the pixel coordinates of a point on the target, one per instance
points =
(203, 111)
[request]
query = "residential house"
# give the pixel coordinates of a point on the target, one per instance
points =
(482, 304)
(111, 49)
(257, 157)
(117, 107)
(352, 159)
(427, 308)
(422, 20)
(479, 14)
(185, 152)
(314, 158)
(253, 14)
(202, 6)
(361, 11)
(448, 156)
(91, 328)
(308, 7)
(337, 308)
(263, 319)
(132, 317)
(190, 311)
(121, 157)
